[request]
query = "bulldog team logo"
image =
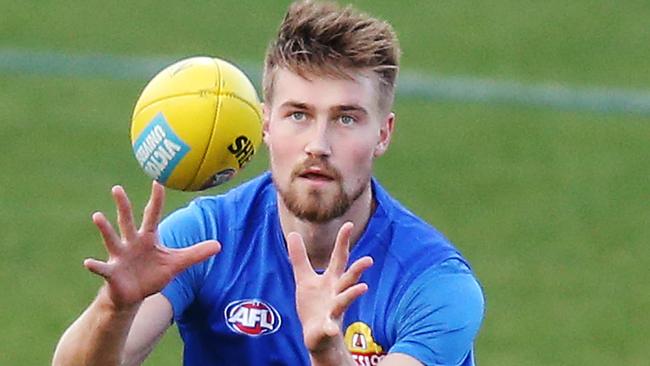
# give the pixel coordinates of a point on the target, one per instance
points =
(359, 341)
(252, 317)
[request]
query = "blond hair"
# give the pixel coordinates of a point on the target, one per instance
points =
(317, 38)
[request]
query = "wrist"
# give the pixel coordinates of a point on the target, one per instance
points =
(333, 352)
(106, 303)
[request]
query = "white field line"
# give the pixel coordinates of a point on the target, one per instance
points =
(411, 84)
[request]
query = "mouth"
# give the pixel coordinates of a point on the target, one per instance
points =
(316, 174)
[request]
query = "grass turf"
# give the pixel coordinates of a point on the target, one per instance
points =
(549, 206)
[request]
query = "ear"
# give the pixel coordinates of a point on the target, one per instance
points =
(385, 134)
(266, 116)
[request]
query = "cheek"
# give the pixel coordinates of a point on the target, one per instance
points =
(280, 148)
(364, 149)
(280, 136)
(282, 152)
(359, 159)
(364, 154)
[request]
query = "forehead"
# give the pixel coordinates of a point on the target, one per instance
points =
(325, 91)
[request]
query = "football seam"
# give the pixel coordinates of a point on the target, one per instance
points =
(212, 93)
(245, 101)
(218, 85)
(207, 149)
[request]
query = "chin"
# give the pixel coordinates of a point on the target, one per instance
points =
(315, 205)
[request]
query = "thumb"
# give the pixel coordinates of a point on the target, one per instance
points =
(197, 253)
(98, 267)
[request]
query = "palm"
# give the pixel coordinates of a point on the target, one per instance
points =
(315, 301)
(138, 266)
(145, 269)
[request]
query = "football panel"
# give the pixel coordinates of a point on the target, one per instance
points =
(170, 137)
(189, 76)
(235, 139)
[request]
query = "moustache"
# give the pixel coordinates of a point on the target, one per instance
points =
(316, 166)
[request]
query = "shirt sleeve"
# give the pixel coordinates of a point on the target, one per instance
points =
(439, 315)
(182, 229)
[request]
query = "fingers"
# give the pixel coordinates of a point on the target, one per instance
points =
(153, 210)
(124, 213)
(98, 267)
(353, 274)
(347, 287)
(341, 251)
(196, 253)
(298, 256)
(343, 300)
(111, 239)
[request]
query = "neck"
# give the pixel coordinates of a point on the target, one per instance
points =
(319, 238)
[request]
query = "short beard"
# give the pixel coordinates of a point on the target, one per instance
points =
(314, 208)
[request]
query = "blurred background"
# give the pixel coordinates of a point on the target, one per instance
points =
(523, 134)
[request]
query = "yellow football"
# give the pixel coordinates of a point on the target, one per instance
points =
(196, 124)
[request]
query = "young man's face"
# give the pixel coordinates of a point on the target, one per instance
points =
(323, 135)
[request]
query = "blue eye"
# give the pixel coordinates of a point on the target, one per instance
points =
(347, 120)
(298, 116)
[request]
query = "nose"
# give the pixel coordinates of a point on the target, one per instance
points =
(319, 140)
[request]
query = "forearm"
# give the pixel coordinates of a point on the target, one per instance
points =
(97, 337)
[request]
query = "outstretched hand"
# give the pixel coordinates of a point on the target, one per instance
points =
(321, 300)
(138, 265)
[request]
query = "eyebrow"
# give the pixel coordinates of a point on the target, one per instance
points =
(297, 105)
(350, 108)
(336, 109)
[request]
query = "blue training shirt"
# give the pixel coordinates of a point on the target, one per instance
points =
(238, 307)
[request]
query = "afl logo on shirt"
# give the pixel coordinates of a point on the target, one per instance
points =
(252, 317)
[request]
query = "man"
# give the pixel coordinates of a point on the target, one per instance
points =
(281, 290)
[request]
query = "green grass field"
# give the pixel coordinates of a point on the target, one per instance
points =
(550, 206)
